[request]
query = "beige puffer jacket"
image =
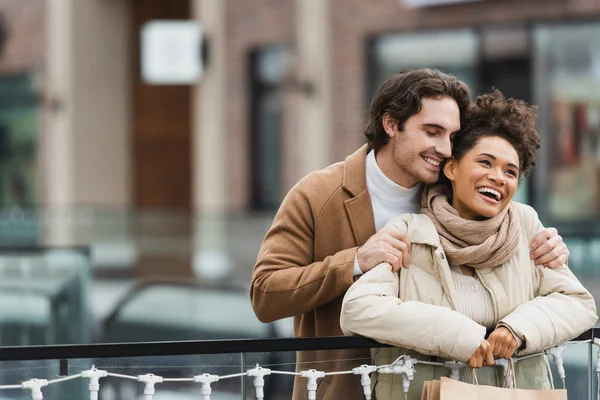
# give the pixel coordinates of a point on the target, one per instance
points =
(413, 309)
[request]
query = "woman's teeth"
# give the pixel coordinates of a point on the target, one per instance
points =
(495, 193)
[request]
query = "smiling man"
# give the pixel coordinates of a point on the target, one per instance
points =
(328, 229)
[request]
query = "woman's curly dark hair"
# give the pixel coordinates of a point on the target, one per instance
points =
(511, 119)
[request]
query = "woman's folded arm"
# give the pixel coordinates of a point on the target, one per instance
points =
(562, 310)
(371, 308)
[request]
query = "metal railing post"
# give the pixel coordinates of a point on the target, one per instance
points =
(243, 378)
(590, 370)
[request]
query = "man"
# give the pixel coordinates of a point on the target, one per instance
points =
(328, 228)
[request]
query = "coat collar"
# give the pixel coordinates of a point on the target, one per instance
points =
(354, 180)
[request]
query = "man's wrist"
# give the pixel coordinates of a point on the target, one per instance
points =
(357, 270)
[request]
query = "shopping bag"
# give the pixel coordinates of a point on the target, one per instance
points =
(455, 390)
(431, 390)
(449, 389)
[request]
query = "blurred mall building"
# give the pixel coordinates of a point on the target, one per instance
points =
(285, 90)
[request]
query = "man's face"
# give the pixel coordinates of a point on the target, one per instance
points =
(416, 153)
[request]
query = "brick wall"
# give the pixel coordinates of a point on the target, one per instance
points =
(24, 49)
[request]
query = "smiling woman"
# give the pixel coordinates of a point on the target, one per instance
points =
(470, 273)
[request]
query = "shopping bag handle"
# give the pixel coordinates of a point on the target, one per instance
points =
(510, 380)
(474, 380)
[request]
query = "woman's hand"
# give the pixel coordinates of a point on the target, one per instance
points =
(503, 342)
(482, 357)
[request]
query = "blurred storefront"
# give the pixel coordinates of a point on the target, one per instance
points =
(285, 91)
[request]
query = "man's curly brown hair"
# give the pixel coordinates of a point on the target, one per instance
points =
(511, 119)
(402, 95)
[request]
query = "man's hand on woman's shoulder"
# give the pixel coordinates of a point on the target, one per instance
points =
(548, 249)
(389, 245)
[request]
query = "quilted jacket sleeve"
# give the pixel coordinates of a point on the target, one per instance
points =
(561, 310)
(372, 308)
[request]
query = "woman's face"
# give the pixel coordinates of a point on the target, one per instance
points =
(485, 180)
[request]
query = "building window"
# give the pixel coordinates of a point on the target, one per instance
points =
(18, 140)
(269, 67)
(486, 58)
(455, 52)
(567, 78)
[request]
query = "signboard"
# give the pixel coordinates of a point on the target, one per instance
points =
(431, 3)
(171, 52)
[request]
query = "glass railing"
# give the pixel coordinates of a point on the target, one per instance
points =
(219, 370)
(161, 277)
(138, 267)
(126, 244)
(123, 284)
(44, 296)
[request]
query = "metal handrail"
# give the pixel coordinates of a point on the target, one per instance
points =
(148, 349)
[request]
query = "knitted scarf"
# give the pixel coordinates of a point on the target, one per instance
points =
(479, 244)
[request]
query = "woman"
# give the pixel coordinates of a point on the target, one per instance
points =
(470, 271)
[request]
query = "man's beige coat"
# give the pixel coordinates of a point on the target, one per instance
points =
(306, 264)
(414, 309)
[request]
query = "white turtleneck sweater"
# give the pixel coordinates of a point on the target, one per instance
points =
(387, 198)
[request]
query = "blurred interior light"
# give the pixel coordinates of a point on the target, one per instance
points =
(172, 52)
(212, 265)
(123, 255)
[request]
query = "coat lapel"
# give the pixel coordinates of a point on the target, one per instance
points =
(360, 214)
(358, 208)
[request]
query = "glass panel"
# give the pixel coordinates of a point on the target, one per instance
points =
(277, 387)
(134, 257)
(455, 52)
(43, 297)
(170, 367)
(15, 372)
(232, 384)
(202, 313)
(120, 388)
(567, 75)
(576, 370)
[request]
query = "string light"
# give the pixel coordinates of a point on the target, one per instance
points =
(206, 380)
(312, 375)
(150, 380)
(35, 385)
(259, 374)
(94, 376)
